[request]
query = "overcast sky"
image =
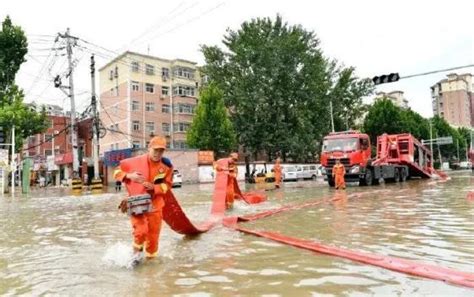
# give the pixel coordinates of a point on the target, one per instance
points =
(376, 37)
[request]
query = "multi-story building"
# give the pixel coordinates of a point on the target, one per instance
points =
(142, 96)
(397, 97)
(452, 99)
(51, 150)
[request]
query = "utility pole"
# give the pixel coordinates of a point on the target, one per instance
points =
(13, 166)
(332, 117)
(457, 146)
(95, 123)
(76, 180)
(172, 110)
(71, 41)
(96, 181)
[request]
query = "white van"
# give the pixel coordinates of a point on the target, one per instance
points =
(307, 171)
(289, 173)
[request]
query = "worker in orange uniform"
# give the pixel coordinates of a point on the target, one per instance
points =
(338, 172)
(153, 173)
(229, 165)
(277, 172)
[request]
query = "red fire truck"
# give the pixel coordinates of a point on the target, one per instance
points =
(399, 157)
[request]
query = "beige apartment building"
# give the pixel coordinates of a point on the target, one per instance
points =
(142, 96)
(452, 99)
(397, 97)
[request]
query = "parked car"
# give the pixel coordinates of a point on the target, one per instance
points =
(289, 173)
(465, 165)
(307, 171)
(177, 179)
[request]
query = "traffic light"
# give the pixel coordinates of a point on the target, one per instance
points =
(383, 79)
(2, 135)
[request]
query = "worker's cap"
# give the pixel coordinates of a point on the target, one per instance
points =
(234, 156)
(157, 142)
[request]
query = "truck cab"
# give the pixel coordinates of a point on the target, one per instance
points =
(352, 148)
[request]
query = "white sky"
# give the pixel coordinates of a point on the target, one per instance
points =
(377, 37)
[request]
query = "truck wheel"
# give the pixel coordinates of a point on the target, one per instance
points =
(368, 178)
(396, 176)
(403, 174)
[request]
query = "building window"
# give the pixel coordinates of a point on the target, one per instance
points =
(32, 139)
(181, 127)
(135, 105)
(149, 69)
(48, 152)
(47, 137)
(150, 88)
(165, 108)
(150, 106)
(135, 66)
(135, 86)
(165, 72)
(186, 108)
(179, 144)
(165, 91)
(184, 72)
(136, 125)
(165, 127)
(183, 91)
(136, 144)
(150, 127)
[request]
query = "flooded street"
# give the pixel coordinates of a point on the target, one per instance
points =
(80, 246)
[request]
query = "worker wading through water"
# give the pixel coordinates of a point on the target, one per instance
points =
(338, 172)
(229, 165)
(153, 174)
(277, 172)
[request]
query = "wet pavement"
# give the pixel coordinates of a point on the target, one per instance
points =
(55, 244)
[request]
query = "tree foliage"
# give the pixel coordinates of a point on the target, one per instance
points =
(385, 117)
(277, 85)
(13, 48)
(211, 128)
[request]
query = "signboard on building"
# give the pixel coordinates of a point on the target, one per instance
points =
(50, 163)
(205, 157)
(63, 159)
(113, 158)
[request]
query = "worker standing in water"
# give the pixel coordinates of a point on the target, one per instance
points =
(277, 172)
(152, 174)
(229, 165)
(338, 172)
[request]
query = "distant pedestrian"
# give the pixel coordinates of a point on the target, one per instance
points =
(118, 186)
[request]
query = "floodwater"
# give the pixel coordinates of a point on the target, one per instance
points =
(80, 246)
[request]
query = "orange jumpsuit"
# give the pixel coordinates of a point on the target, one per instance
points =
(147, 227)
(338, 172)
(277, 172)
(228, 164)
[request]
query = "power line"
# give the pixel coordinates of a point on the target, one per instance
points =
(49, 139)
(437, 71)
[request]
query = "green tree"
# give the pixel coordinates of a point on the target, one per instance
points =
(277, 86)
(441, 128)
(383, 117)
(13, 112)
(414, 123)
(464, 142)
(211, 128)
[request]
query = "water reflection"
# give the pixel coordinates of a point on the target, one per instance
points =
(60, 245)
